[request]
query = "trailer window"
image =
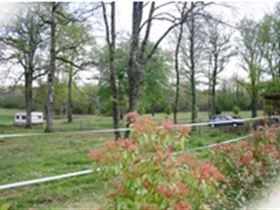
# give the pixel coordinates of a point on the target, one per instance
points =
(23, 117)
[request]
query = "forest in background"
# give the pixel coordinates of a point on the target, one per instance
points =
(54, 45)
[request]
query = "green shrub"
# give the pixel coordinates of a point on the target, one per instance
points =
(218, 110)
(141, 109)
(236, 110)
(168, 110)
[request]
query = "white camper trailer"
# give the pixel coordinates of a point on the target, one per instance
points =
(36, 118)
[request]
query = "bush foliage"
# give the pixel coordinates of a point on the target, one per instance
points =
(153, 169)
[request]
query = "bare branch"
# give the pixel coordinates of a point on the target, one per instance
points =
(74, 64)
(147, 34)
(106, 23)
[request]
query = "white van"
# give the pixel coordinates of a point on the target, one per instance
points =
(36, 118)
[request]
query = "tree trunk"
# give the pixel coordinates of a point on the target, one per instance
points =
(177, 91)
(254, 104)
(29, 71)
(134, 64)
(213, 98)
(209, 99)
(192, 69)
(278, 73)
(134, 85)
(28, 99)
(193, 100)
(209, 89)
(111, 42)
(69, 101)
(113, 82)
(213, 88)
(51, 73)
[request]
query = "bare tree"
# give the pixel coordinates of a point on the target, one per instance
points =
(111, 42)
(177, 67)
(192, 49)
(252, 58)
(219, 50)
(140, 54)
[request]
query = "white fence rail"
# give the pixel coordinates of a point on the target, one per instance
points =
(85, 172)
(45, 179)
(125, 129)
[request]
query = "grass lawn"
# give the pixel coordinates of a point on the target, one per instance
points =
(89, 122)
(36, 157)
(47, 155)
(86, 122)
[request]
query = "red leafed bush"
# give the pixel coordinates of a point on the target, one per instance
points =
(247, 165)
(131, 117)
(152, 169)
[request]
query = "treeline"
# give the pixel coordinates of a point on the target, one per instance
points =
(93, 99)
(54, 43)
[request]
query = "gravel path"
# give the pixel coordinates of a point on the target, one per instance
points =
(269, 202)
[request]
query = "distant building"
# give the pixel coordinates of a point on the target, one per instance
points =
(36, 118)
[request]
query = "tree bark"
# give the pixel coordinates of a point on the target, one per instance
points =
(29, 71)
(116, 113)
(254, 96)
(111, 42)
(69, 101)
(214, 84)
(177, 91)
(254, 104)
(192, 69)
(134, 65)
(28, 98)
(51, 73)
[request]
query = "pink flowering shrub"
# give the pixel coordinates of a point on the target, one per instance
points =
(153, 170)
(247, 166)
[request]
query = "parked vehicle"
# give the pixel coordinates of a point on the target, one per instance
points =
(36, 118)
(275, 118)
(224, 120)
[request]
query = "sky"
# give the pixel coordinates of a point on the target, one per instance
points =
(232, 15)
(255, 10)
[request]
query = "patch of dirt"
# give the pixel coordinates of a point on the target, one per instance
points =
(270, 199)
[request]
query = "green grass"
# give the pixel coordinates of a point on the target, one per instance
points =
(36, 157)
(89, 122)
(47, 155)
(86, 122)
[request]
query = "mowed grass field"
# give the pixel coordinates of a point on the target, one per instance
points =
(34, 157)
(90, 122)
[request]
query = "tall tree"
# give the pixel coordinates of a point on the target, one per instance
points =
(219, 50)
(134, 69)
(177, 67)
(192, 48)
(111, 42)
(74, 51)
(153, 85)
(51, 73)
(54, 15)
(23, 38)
(252, 58)
(269, 38)
(140, 54)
